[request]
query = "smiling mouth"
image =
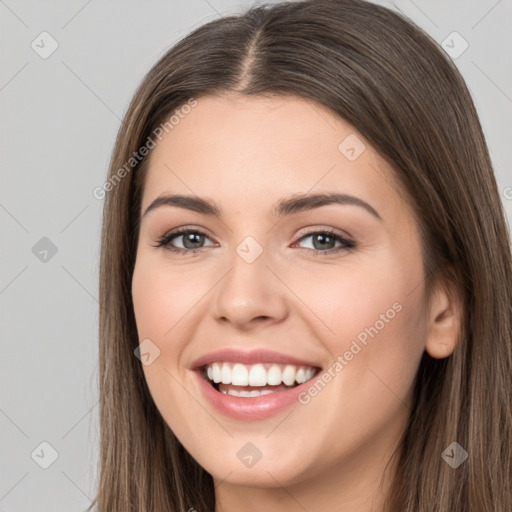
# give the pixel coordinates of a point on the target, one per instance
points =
(241, 380)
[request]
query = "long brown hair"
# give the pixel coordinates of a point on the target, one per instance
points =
(390, 80)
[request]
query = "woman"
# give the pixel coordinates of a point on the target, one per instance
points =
(241, 368)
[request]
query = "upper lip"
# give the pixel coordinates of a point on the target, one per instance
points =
(239, 355)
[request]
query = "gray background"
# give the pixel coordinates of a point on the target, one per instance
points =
(59, 118)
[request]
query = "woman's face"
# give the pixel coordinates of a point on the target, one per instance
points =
(278, 292)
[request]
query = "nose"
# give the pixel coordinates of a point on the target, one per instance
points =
(250, 294)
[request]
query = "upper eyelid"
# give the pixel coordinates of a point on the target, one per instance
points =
(311, 231)
(186, 229)
(302, 232)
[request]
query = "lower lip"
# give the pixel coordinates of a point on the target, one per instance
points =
(254, 407)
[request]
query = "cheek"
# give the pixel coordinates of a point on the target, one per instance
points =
(371, 322)
(163, 306)
(158, 306)
(163, 297)
(356, 299)
(370, 319)
(168, 310)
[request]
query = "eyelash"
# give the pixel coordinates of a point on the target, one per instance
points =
(165, 241)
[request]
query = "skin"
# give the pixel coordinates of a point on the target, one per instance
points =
(246, 154)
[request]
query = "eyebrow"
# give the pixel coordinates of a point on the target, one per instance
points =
(282, 208)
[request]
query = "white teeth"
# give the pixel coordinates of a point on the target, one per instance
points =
(255, 392)
(216, 373)
(274, 375)
(226, 374)
(289, 374)
(239, 375)
(258, 375)
(300, 377)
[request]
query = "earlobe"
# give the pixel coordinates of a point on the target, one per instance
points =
(444, 323)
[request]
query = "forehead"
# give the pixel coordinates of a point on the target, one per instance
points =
(253, 150)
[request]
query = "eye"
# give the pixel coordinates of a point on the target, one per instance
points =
(324, 242)
(191, 240)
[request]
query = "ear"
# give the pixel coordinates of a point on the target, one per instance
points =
(444, 322)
